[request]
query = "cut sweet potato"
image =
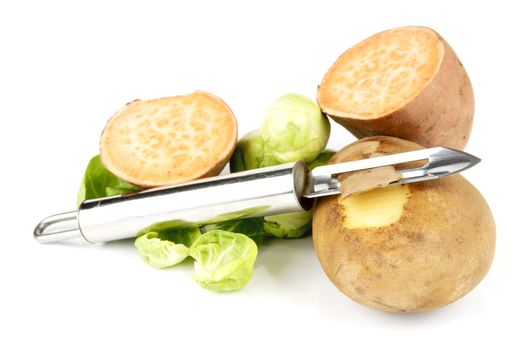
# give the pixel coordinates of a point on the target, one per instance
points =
(169, 140)
(405, 82)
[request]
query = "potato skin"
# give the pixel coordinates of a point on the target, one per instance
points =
(441, 247)
(441, 115)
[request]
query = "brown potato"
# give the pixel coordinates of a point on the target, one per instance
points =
(404, 248)
(169, 140)
(405, 82)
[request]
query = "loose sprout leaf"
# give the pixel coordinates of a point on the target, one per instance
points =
(98, 182)
(251, 227)
(160, 253)
(167, 243)
(223, 260)
(177, 231)
(239, 214)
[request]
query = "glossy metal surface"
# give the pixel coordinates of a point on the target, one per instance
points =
(267, 191)
(58, 227)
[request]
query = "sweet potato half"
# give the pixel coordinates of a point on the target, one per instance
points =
(405, 82)
(169, 140)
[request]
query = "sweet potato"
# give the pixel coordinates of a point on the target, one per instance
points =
(405, 82)
(169, 140)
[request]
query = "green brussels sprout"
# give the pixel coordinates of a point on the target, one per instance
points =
(289, 225)
(223, 260)
(251, 153)
(294, 128)
(167, 247)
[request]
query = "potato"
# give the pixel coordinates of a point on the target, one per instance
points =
(169, 140)
(404, 248)
(405, 82)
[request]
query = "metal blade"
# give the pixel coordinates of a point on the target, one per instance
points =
(440, 161)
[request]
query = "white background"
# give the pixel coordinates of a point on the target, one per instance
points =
(66, 67)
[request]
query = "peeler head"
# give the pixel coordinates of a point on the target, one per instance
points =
(438, 162)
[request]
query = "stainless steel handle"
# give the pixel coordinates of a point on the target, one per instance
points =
(58, 227)
(259, 192)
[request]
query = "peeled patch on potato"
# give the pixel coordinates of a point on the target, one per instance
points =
(405, 82)
(169, 140)
(404, 248)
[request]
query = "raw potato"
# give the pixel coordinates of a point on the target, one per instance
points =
(404, 248)
(169, 140)
(405, 82)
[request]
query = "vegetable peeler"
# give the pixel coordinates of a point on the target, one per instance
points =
(261, 192)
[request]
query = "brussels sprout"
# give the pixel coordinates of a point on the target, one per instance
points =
(294, 129)
(289, 225)
(166, 248)
(251, 227)
(251, 153)
(223, 260)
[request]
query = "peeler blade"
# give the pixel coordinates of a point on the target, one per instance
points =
(439, 162)
(444, 162)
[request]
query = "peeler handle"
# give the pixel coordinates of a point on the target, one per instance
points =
(57, 228)
(260, 192)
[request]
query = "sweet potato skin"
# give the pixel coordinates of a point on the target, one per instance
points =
(440, 115)
(440, 248)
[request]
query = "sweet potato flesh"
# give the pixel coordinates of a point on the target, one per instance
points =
(169, 140)
(382, 73)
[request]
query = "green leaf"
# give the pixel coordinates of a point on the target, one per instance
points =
(223, 260)
(160, 253)
(168, 246)
(174, 230)
(289, 225)
(322, 159)
(251, 227)
(236, 215)
(98, 182)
